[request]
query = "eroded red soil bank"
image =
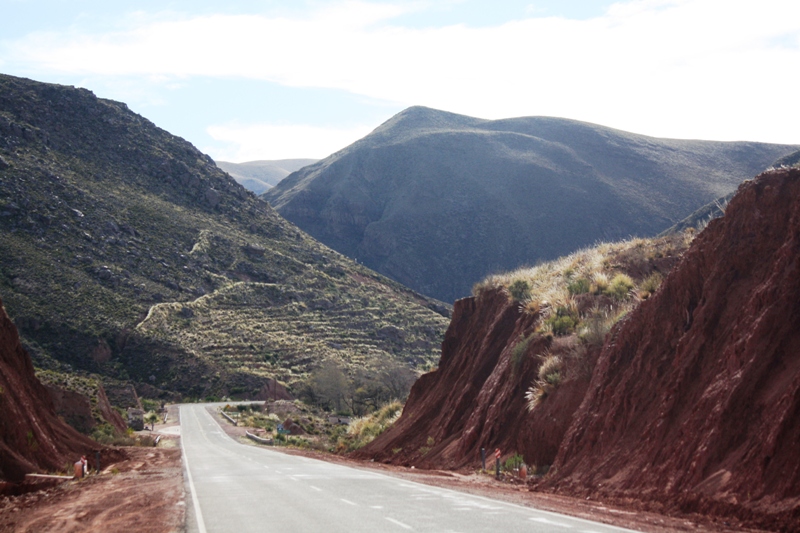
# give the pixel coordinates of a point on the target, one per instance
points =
(32, 437)
(695, 400)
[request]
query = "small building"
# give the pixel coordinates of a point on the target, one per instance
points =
(135, 419)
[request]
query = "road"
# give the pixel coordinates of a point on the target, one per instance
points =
(239, 489)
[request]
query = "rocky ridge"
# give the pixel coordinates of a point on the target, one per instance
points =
(129, 254)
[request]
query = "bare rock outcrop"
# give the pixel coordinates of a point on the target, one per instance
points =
(695, 404)
(476, 398)
(32, 437)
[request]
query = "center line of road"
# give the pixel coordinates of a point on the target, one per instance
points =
(550, 522)
(347, 501)
(399, 523)
(315, 488)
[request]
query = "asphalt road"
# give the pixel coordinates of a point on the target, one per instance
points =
(238, 488)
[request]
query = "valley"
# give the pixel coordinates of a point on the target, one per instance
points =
(657, 373)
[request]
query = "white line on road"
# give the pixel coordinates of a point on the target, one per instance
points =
(543, 520)
(315, 488)
(347, 501)
(399, 523)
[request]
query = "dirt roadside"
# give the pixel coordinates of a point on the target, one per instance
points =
(143, 492)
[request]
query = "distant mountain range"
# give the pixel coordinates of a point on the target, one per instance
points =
(126, 252)
(260, 176)
(437, 200)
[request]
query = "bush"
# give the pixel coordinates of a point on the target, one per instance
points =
(563, 322)
(620, 286)
(518, 351)
(596, 325)
(550, 377)
(513, 462)
(579, 286)
(650, 285)
(520, 290)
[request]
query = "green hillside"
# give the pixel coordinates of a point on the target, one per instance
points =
(439, 201)
(124, 251)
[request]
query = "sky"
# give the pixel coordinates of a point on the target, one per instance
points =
(246, 80)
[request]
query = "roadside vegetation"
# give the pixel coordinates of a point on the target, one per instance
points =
(297, 424)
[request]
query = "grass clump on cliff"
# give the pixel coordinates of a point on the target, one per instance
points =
(578, 298)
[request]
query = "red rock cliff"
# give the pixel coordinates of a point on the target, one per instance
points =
(32, 438)
(476, 398)
(695, 402)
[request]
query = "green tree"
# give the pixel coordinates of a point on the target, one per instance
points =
(151, 418)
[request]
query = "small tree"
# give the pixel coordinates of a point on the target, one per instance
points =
(151, 418)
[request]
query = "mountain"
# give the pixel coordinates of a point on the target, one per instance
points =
(129, 254)
(437, 201)
(716, 208)
(260, 176)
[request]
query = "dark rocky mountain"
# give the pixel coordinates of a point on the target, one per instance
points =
(127, 253)
(260, 176)
(437, 201)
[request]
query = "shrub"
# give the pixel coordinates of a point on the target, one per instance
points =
(562, 325)
(518, 351)
(595, 326)
(579, 286)
(619, 287)
(650, 285)
(599, 283)
(520, 290)
(513, 462)
(363, 430)
(550, 377)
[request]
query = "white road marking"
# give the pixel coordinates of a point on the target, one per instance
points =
(399, 523)
(315, 488)
(543, 520)
(347, 501)
(376, 506)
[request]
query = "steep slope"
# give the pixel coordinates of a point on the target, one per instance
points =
(498, 344)
(695, 403)
(437, 201)
(260, 176)
(128, 253)
(32, 438)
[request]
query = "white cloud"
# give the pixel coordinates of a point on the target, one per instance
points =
(279, 141)
(699, 68)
